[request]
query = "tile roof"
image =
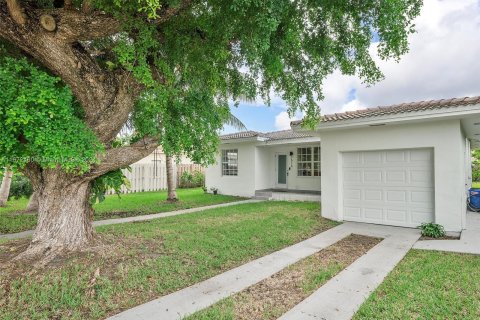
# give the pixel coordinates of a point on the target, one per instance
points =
(399, 108)
(270, 136)
(286, 134)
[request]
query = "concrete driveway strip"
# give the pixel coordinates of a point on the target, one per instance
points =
(341, 297)
(199, 296)
(28, 233)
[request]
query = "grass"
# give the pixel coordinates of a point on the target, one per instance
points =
(428, 285)
(475, 184)
(13, 219)
(150, 259)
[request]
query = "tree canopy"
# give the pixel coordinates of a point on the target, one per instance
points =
(185, 60)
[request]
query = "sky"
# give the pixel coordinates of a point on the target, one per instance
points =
(443, 62)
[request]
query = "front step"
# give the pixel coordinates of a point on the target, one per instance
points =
(263, 195)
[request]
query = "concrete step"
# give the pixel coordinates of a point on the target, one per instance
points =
(262, 198)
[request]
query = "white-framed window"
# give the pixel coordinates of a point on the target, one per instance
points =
(308, 162)
(230, 162)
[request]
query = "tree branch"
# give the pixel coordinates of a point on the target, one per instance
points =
(105, 96)
(117, 158)
(16, 12)
(167, 13)
(74, 25)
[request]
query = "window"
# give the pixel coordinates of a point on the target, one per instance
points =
(230, 162)
(308, 162)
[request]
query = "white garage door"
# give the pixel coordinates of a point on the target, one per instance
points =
(393, 187)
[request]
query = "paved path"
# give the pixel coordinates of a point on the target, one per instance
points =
(345, 295)
(469, 240)
(25, 234)
(342, 296)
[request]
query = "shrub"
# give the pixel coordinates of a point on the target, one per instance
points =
(20, 187)
(198, 178)
(192, 179)
(432, 230)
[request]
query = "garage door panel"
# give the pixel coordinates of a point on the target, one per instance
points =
(353, 212)
(396, 196)
(373, 195)
(390, 187)
(374, 214)
(395, 156)
(352, 176)
(373, 176)
(396, 215)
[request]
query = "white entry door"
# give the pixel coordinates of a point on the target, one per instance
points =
(393, 187)
(281, 170)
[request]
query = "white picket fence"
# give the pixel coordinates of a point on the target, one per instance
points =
(150, 177)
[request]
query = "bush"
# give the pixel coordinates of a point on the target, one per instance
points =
(20, 187)
(192, 179)
(432, 230)
(476, 165)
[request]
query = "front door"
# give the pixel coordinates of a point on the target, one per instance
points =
(281, 170)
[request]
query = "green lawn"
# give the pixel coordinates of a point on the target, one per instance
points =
(12, 219)
(475, 184)
(150, 259)
(428, 285)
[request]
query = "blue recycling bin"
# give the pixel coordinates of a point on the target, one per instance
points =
(474, 194)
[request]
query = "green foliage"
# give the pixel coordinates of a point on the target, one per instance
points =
(194, 63)
(20, 187)
(39, 121)
(432, 230)
(476, 165)
(216, 51)
(192, 179)
(113, 180)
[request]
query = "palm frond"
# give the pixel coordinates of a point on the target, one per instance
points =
(235, 122)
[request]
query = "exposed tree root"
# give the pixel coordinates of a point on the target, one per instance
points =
(40, 255)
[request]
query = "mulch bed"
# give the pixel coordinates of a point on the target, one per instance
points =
(274, 296)
(440, 238)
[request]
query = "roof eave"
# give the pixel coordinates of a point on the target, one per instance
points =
(240, 140)
(417, 116)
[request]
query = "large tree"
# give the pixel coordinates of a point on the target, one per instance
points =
(171, 67)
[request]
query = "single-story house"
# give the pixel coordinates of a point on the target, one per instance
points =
(252, 163)
(399, 165)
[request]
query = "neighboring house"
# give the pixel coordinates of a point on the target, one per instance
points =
(251, 161)
(399, 165)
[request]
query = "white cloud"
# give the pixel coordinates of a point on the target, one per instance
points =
(352, 105)
(443, 62)
(282, 120)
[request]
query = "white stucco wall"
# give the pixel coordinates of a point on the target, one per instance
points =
(242, 185)
(268, 167)
(263, 179)
(445, 137)
(257, 169)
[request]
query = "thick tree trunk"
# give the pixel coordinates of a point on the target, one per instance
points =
(33, 202)
(5, 188)
(64, 215)
(171, 183)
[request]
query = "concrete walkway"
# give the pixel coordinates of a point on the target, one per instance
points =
(469, 240)
(25, 234)
(345, 294)
(342, 296)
